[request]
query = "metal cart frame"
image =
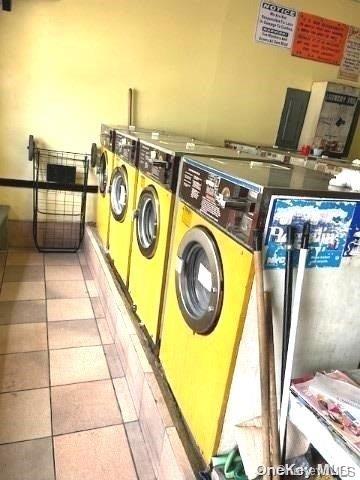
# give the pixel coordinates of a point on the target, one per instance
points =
(59, 198)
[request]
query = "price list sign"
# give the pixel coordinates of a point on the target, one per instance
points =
(319, 39)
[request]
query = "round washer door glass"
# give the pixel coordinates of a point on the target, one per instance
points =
(119, 193)
(199, 280)
(103, 173)
(148, 219)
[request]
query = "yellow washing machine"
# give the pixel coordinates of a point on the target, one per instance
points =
(104, 170)
(122, 191)
(208, 287)
(210, 275)
(158, 171)
(123, 187)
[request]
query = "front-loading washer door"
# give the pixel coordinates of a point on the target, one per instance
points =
(119, 193)
(148, 222)
(199, 280)
(103, 173)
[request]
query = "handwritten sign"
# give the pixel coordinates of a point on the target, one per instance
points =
(276, 25)
(350, 65)
(319, 39)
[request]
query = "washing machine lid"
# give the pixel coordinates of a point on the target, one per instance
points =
(119, 196)
(199, 280)
(103, 173)
(148, 221)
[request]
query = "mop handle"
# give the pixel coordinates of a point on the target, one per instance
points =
(290, 237)
(263, 352)
(293, 332)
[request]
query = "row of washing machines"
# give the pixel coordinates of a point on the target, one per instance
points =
(176, 217)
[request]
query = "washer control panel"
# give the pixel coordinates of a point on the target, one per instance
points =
(229, 204)
(125, 147)
(107, 137)
(158, 165)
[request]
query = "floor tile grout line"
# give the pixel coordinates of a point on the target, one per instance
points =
(71, 433)
(89, 429)
(137, 420)
(80, 346)
(113, 378)
(24, 441)
(60, 385)
(28, 351)
(68, 320)
(131, 453)
(51, 349)
(49, 372)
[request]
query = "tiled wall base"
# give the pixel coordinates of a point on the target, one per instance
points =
(165, 449)
(20, 234)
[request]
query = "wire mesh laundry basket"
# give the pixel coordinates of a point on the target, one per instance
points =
(59, 198)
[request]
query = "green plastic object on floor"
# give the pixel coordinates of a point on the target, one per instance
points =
(231, 464)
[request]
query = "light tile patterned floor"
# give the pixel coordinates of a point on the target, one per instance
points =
(65, 408)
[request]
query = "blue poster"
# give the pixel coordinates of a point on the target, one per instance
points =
(330, 222)
(352, 247)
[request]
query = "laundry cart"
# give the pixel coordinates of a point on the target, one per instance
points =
(59, 198)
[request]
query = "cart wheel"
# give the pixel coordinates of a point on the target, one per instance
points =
(94, 154)
(31, 148)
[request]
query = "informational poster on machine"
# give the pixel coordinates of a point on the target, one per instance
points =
(336, 118)
(350, 65)
(319, 39)
(330, 233)
(276, 25)
(352, 247)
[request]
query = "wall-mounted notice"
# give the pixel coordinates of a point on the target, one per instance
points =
(331, 221)
(350, 65)
(319, 39)
(276, 25)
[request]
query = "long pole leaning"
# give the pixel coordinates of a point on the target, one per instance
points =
(263, 352)
(290, 236)
(292, 337)
(274, 424)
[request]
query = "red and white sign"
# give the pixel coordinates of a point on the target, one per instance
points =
(319, 39)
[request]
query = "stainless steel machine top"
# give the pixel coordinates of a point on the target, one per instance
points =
(160, 159)
(236, 195)
(127, 139)
(178, 148)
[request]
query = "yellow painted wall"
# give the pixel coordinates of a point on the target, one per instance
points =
(66, 66)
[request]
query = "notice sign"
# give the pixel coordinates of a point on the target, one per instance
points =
(350, 65)
(319, 39)
(276, 25)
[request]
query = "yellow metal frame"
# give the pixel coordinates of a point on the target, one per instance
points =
(147, 275)
(199, 368)
(121, 232)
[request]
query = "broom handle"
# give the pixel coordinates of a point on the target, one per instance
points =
(274, 426)
(292, 338)
(263, 352)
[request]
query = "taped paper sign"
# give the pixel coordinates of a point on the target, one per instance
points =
(330, 221)
(319, 39)
(204, 277)
(350, 65)
(276, 25)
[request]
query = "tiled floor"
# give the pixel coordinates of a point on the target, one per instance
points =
(66, 412)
